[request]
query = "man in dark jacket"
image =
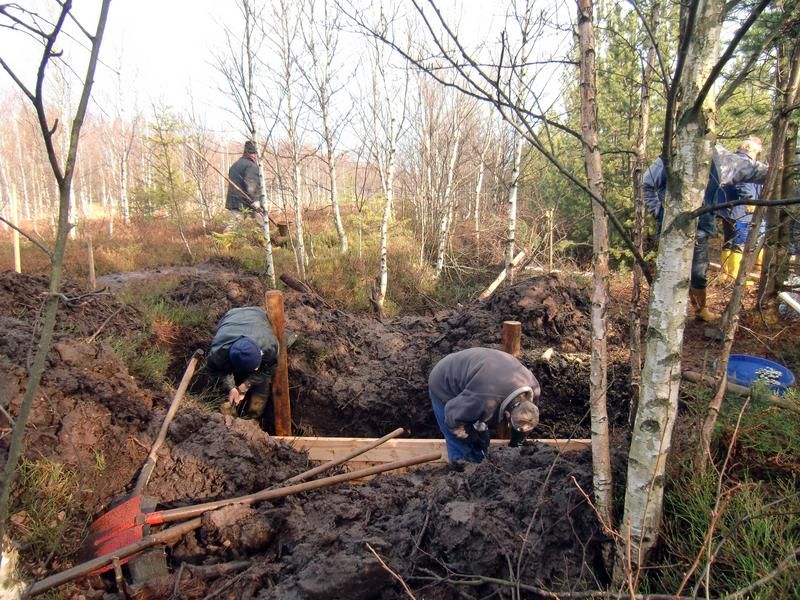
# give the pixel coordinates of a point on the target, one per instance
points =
(244, 174)
(242, 357)
(474, 390)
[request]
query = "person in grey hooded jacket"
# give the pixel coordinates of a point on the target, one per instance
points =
(473, 391)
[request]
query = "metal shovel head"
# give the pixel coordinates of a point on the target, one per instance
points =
(119, 527)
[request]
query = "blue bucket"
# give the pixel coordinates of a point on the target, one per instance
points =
(743, 369)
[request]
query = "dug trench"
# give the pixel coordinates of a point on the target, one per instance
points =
(522, 515)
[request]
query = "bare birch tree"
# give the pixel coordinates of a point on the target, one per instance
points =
(686, 181)
(322, 42)
(48, 33)
(598, 377)
(447, 208)
(639, 167)
(388, 116)
(285, 21)
(240, 68)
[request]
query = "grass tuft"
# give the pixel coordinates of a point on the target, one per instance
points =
(45, 499)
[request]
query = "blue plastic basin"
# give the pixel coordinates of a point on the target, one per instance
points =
(742, 370)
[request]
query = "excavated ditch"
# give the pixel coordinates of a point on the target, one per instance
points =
(350, 375)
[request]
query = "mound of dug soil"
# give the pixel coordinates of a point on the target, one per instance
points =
(433, 528)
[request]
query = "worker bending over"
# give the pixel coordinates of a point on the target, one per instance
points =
(473, 391)
(243, 356)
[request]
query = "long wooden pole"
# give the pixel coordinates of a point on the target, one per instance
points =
(337, 461)
(15, 232)
(280, 381)
(150, 463)
(186, 512)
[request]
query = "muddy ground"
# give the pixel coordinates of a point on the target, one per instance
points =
(519, 514)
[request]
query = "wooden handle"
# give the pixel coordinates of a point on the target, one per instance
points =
(166, 535)
(150, 463)
(184, 512)
(337, 461)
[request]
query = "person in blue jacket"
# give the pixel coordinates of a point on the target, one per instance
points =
(472, 391)
(727, 168)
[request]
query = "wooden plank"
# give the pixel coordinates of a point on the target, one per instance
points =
(330, 448)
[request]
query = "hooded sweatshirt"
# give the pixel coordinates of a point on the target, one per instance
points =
(250, 321)
(473, 383)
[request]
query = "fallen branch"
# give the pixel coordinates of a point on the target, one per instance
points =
(302, 287)
(104, 323)
(696, 377)
(501, 277)
(392, 573)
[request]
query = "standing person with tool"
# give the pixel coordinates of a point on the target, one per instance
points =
(244, 187)
(474, 390)
(243, 355)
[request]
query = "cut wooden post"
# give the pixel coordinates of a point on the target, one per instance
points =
(280, 381)
(512, 336)
(90, 253)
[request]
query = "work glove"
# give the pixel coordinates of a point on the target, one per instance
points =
(478, 436)
(517, 438)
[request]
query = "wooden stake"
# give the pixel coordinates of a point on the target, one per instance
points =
(280, 381)
(90, 253)
(512, 337)
(550, 215)
(15, 233)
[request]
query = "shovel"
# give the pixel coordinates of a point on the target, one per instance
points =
(112, 530)
(129, 522)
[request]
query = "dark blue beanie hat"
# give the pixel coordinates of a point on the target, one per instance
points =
(245, 355)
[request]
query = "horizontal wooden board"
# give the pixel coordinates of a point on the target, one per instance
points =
(324, 449)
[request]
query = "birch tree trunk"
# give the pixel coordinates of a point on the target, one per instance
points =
(658, 400)
(63, 178)
(478, 189)
(447, 205)
(287, 33)
(511, 228)
(601, 456)
(640, 164)
(775, 247)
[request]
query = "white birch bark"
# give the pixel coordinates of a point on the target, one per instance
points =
(640, 164)
(479, 188)
(658, 400)
(447, 208)
(598, 378)
(513, 190)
